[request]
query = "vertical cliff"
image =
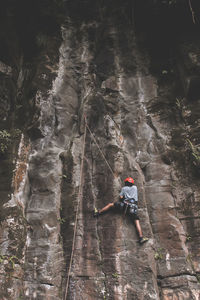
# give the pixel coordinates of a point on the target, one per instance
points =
(131, 71)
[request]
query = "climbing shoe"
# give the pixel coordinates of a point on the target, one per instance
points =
(143, 240)
(96, 213)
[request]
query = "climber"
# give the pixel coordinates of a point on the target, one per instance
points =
(127, 203)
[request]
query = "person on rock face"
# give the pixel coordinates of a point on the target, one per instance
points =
(127, 203)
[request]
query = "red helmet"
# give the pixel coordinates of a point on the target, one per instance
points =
(129, 179)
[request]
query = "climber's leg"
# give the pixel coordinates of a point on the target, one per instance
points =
(134, 216)
(138, 227)
(107, 207)
(142, 239)
(104, 209)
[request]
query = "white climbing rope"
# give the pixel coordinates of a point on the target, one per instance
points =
(80, 196)
(77, 210)
(93, 137)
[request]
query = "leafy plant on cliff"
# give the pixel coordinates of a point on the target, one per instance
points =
(5, 140)
(61, 220)
(195, 153)
(179, 103)
(158, 254)
(188, 238)
(115, 275)
(10, 260)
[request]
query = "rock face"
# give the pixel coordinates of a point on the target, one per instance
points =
(135, 84)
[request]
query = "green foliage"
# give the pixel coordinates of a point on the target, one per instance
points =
(6, 138)
(63, 176)
(195, 153)
(61, 220)
(12, 260)
(115, 275)
(2, 258)
(158, 254)
(188, 238)
(189, 259)
(9, 260)
(4, 134)
(179, 103)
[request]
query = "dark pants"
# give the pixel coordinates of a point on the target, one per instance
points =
(129, 208)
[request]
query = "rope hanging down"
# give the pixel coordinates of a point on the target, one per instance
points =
(76, 218)
(80, 196)
(92, 135)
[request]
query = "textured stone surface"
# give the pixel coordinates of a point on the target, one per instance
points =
(136, 83)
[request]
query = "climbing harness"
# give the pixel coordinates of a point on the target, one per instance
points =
(80, 196)
(131, 205)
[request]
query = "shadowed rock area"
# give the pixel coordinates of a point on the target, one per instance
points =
(131, 70)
